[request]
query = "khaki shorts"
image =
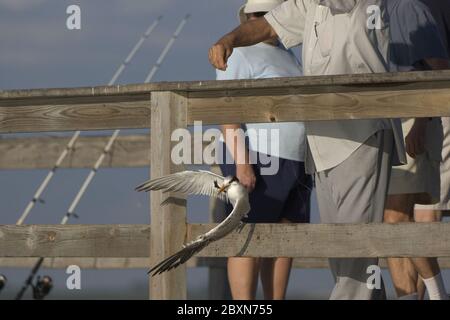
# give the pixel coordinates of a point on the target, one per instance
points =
(420, 175)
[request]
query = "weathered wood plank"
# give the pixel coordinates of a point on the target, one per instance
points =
(168, 223)
(41, 153)
(265, 240)
(74, 114)
(144, 263)
(368, 104)
(318, 241)
(416, 80)
(339, 97)
(74, 241)
(84, 263)
(102, 263)
(322, 263)
(128, 151)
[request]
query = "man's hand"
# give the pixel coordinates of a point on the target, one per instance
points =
(415, 140)
(219, 54)
(247, 34)
(246, 176)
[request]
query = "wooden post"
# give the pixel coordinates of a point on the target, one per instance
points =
(168, 223)
(218, 287)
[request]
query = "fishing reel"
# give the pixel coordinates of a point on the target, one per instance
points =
(3, 281)
(42, 287)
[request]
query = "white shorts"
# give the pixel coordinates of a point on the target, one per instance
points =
(422, 174)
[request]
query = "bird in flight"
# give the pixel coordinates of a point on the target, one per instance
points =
(201, 183)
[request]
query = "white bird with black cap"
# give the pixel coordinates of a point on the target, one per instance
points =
(201, 183)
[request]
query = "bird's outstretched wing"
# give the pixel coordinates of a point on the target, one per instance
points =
(178, 258)
(187, 182)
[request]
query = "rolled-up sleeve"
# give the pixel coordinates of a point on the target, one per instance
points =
(288, 21)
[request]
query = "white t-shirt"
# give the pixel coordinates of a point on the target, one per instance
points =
(263, 61)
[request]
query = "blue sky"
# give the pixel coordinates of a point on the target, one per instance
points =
(37, 51)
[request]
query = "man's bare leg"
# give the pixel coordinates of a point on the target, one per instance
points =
(399, 208)
(424, 215)
(243, 277)
(275, 275)
(420, 289)
(404, 276)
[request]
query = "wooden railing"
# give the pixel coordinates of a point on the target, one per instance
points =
(164, 107)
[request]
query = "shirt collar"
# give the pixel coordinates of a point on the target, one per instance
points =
(338, 6)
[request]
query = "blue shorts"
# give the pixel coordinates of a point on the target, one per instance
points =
(285, 195)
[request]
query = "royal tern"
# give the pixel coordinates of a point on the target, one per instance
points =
(201, 183)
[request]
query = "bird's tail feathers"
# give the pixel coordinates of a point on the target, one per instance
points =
(178, 258)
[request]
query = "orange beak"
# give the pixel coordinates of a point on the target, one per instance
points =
(222, 189)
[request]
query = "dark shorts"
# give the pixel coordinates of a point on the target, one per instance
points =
(285, 195)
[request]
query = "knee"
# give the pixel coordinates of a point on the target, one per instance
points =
(399, 208)
(427, 216)
(393, 216)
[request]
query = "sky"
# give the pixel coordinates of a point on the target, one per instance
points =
(38, 51)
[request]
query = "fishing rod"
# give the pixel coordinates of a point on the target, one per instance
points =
(73, 140)
(69, 146)
(167, 49)
(106, 150)
(115, 134)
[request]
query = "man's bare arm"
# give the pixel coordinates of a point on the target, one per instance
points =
(240, 154)
(437, 63)
(431, 64)
(247, 34)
